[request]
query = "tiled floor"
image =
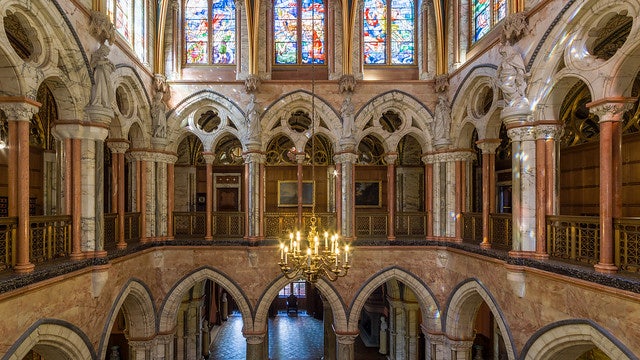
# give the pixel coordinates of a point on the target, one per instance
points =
(290, 338)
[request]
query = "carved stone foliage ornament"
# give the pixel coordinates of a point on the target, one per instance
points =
(347, 84)
(514, 28)
(251, 84)
(101, 27)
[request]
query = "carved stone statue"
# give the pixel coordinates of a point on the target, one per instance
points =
(102, 91)
(442, 118)
(253, 119)
(383, 336)
(159, 116)
(348, 113)
(512, 77)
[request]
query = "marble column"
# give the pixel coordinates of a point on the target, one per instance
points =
(391, 194)
(347, 162)
(170, 198)
(411, 311)
(338, 196)
(329, 334)
(76, 200)
(299, 177)
(544, 134)
(162, 186)
(253, 180)
(93, 135)
(118, 149)
(460, 197)
(460, 349)
(141, 350)
(163, 347)
(428, 195)
(434, 345)
(255, 346)
(345, 346)
(610, 111)
(488, 148)
(141, 193)
(394, 309)
(447, 183)
(208, 158)
(19, 113)
(523, 188)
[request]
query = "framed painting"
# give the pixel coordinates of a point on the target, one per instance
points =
(368, 193)
(288, 193)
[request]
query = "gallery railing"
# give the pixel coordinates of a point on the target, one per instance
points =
(501, 231)
(627, 246)
(472, 228)
(189, 224)
(411, 224)
(228, 224)
(575, 238)
(277, 225)
(131, 229)
(370, 224)
(50, 237)
(8, 226)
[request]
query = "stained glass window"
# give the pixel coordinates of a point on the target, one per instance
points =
(129, 17)
(485, 14)
(209, 31)
(299, 32)
(389, 32)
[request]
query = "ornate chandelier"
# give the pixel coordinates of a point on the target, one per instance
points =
(321, 258)
(313, 257)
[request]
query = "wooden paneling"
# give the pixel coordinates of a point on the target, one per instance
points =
(579, 178)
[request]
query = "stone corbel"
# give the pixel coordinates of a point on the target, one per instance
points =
(101, 27)
(517, 280)
(347, 83)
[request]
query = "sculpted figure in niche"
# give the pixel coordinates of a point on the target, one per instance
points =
(102, 91)
(253, 119)
(512, 76)
(347, 113)
(158, 115)
(443, 118)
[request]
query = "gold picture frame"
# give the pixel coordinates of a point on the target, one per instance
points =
(288, 193)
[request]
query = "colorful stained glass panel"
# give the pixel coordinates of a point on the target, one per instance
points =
(375, 31)
(223, 25)
(481, 18)
(285, 17)
(500, 9)
(140, 30)
(402, 32)
(312, 32)
(123, 18)
(196, 31)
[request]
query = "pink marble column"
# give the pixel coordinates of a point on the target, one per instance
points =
(428, 190)
(245, 200)
(12, 176)
(209, 157)
(488, 147)
(391, 194)
(299, 175)
(338, 196)
(76, 200)
(68, 183)
(114, 182)
(142, 199)
(121, 201)
(550, 163)
(170, 199)
(262, 203)
(118, 149)
(610, 111)
(23, 241)
(459, 200)
(541, 196)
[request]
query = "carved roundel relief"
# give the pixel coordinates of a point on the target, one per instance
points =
(23, 38)
(124, 102)
(482, 101)
(609, 35)
(207, 119)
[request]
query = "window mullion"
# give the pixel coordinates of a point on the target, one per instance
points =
(389, 35)
(299, 45)
(210, 33)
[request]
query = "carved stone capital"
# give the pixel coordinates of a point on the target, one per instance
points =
(208, 157)
(391, 158)
(548, 131)
(523, 133)
(254, 157)
(254, 339)
(119, 146)
(19, 111)
(345, 158)
(251, 83)
(442, 83)
(347, 83)
(141, 345)
(346, 339)
(101, 27)
(611, 109)
(488, 146)
(457, 155)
